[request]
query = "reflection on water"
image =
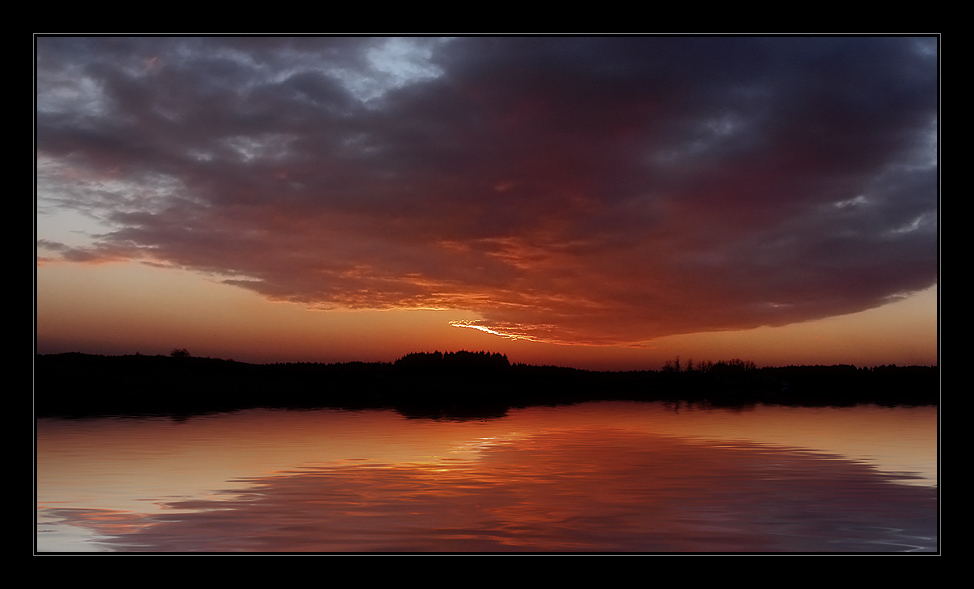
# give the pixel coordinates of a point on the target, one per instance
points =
(618, 477)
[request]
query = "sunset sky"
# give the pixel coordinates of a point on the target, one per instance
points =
(599, 202)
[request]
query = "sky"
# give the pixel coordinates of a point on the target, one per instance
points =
(599, 202)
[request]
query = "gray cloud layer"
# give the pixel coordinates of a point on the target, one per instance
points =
(599, 190)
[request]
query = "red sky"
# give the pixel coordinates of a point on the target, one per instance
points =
(599, 202)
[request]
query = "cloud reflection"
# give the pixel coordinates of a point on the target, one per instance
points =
(562, 491)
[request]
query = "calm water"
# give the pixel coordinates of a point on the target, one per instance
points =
(616, 477)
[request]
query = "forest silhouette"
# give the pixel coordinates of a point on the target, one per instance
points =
(452, 385)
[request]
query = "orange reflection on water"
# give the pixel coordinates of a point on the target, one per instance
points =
(591, 477)
(554, 491)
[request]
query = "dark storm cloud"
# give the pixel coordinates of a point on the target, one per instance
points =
(578, 190)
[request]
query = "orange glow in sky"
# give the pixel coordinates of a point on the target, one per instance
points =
(106, 309)
(594, 202)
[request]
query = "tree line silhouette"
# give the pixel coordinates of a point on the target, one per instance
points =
(462, 360)
(453, 384)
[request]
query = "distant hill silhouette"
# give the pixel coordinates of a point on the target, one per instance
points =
(449, 385)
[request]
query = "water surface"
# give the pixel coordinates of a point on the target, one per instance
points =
(595, 477)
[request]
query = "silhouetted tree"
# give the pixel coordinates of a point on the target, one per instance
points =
(672, 365)
(179, 353)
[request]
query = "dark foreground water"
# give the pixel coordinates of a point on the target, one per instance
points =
(597, 477)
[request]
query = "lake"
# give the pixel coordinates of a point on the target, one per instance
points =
(601, 477)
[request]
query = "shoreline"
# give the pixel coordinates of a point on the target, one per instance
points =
(436, 385)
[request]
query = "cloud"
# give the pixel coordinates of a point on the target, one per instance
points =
(596, 190)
